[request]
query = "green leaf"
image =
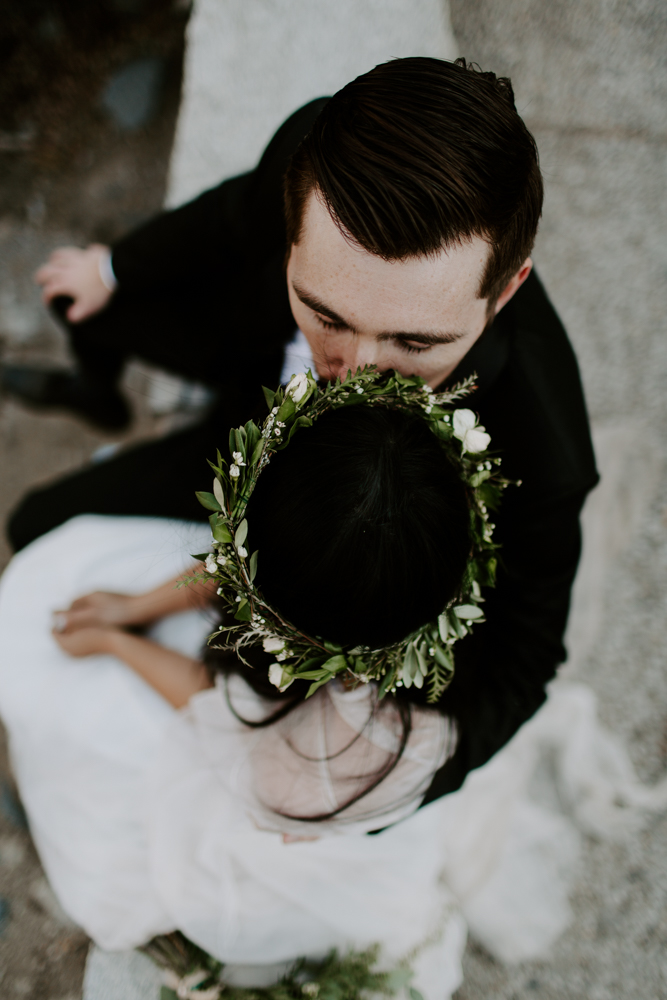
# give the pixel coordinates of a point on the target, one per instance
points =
(444, 658)
(332, 647)
(257, 452)
(167, 994)
(269, 396)
(202, 557)
(317, 684)
(335, 664)
(410, 666)
(232, 442)
(442, 626)
(241, 533)
(468, 612)
(218, 492)
(220, 531)
(252, 569)
(415, 994)
(243, 612)
(208, 500)
(311, 662)
(287, 410)
(239, 436)
(421, 659)
(479, 477)
(386, 683)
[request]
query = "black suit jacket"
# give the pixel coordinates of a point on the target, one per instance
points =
(529, 397)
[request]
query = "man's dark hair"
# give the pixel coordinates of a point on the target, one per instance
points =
(418, 155)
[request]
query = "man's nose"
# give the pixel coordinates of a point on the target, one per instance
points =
(357, 354)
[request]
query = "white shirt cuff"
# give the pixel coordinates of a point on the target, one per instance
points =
(105, 268)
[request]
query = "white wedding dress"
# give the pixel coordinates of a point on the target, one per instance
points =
(149, 819)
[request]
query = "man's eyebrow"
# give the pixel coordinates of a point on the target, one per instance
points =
(317, 305)
(428, 339)
(416, 337)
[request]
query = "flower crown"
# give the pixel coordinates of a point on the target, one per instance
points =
(424, 656)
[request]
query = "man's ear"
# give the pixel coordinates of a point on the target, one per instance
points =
(513, 285)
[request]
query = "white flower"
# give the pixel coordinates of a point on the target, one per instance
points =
(242, 551)
(310, 989)
(279, 677)
(221, 559)
(272, 644)
(238, 457)
(234, 471)
(359, 390)
(297, 387)
(211, 565)
(474, 438)
(277, 432)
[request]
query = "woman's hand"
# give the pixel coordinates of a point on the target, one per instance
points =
(98, 609)
(75, 273)
(86, 641)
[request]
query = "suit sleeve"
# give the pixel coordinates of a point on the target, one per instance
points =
(503, 667)
(236, 223)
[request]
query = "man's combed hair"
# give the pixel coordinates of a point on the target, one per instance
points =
(419, 155)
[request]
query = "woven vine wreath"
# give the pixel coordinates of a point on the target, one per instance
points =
(424, 656)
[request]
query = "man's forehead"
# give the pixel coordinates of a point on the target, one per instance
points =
(343, 275)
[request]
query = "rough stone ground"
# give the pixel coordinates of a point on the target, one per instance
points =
(89, 96)
(590, 79)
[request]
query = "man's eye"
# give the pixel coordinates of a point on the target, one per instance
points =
(328, 324)
(413, 348)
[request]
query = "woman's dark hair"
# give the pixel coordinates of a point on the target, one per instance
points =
(418, 155)
(363, 533)
(361, 527)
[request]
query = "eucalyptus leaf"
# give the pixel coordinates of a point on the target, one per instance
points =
(442, 626)
(209, 501)
(422, 661)
(468, 612)
(241, 533)
(252, 569)
(218, 493)
(444, 658)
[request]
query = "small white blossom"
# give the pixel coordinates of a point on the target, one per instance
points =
(297, 387)
(427, 388)
(222, 559)
(446, 418)
(238, 457)
(277, 432)
(242, 551)
(272, 644)
(238, 598)
(279, 677)
(274, 411)
(310, 989)
(211, 565)
(473, 437)
(219, 591)
(282, 656)
(234, 471)
(429, 409)
(359, 390)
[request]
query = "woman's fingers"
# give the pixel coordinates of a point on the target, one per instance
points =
(85, 641)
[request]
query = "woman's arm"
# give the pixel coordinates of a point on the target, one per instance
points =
(104, 609)
(174, 676)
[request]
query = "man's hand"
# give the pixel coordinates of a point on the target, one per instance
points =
(100, 609)
(75, 273)
(86, 641)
